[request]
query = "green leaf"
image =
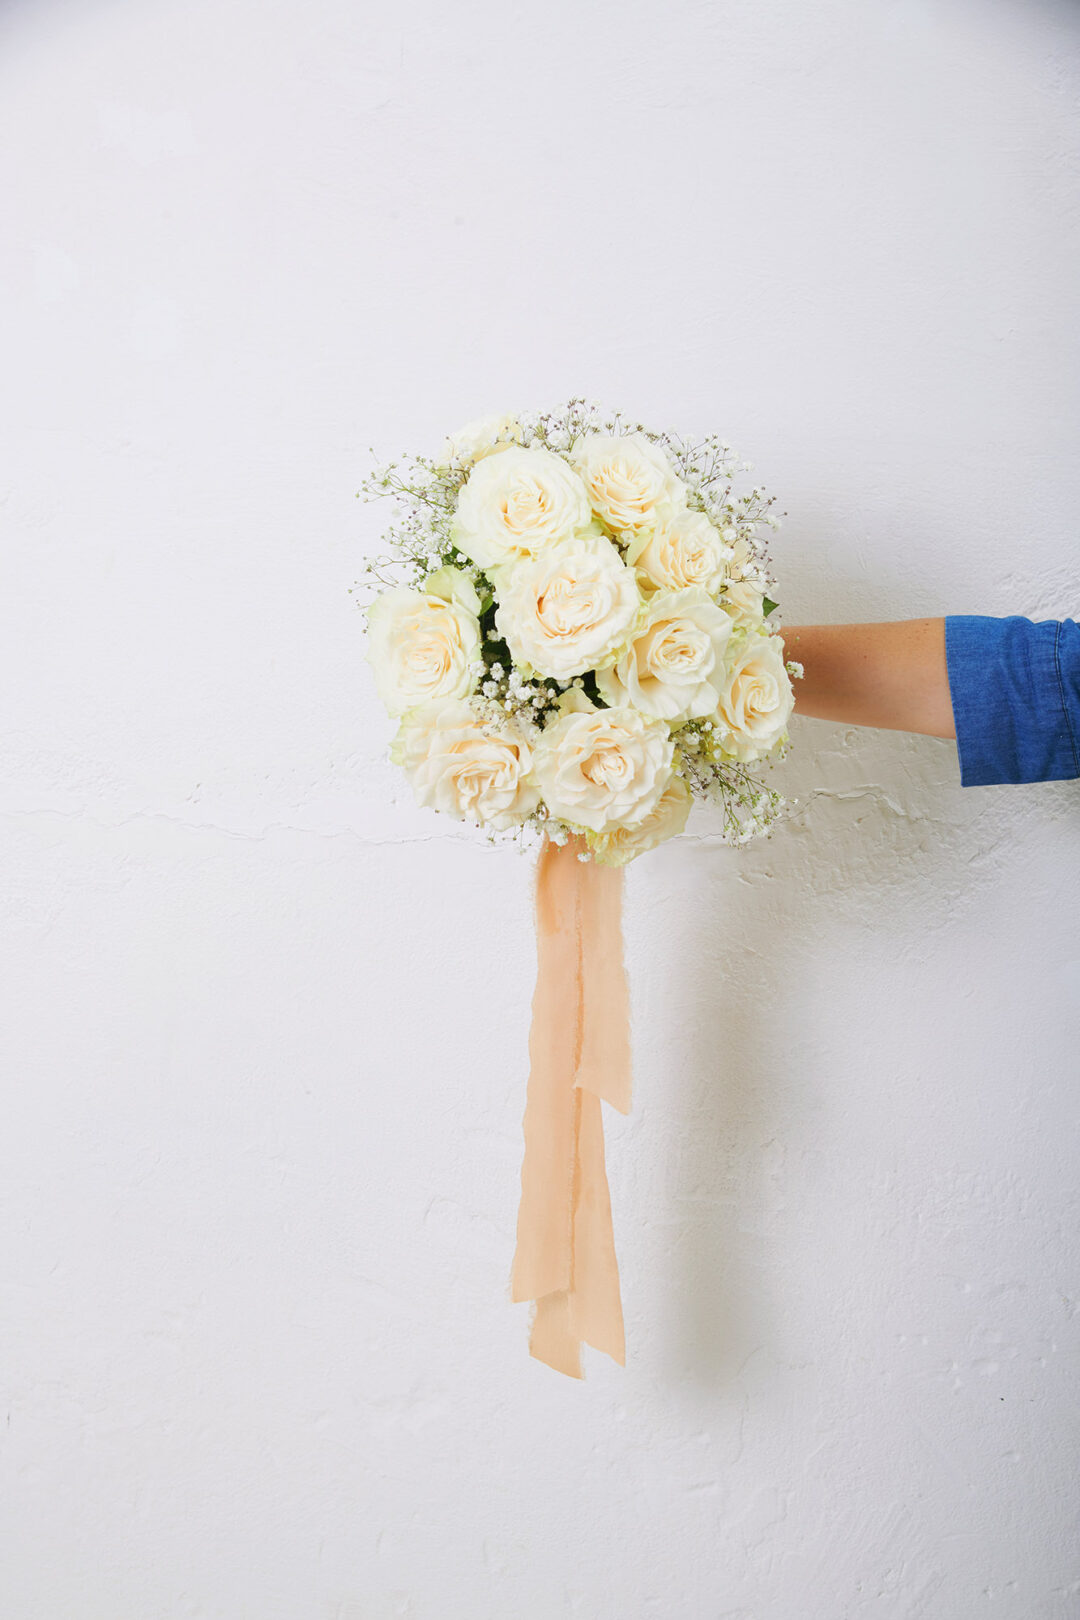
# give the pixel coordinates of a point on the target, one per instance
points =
(768, 605)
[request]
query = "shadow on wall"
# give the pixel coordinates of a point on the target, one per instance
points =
(736, 953)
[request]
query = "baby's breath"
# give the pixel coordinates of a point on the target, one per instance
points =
(422, 493)
(750, 807)
(418, 537)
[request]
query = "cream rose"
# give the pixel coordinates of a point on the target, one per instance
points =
(622, 844)
(464, 765)
(603, 769)
(421, 647)
(757, 700)
(477, 440)
(569, 609)
(517, 504)
(744, 603)
(454, 585)
(681, 548)
(627, 478)
(673, 669)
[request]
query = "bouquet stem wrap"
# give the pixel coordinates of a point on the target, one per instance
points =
(579, 1052)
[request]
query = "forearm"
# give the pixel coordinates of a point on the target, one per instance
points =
(888, 675)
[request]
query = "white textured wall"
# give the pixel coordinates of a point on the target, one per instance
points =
(265, 1038)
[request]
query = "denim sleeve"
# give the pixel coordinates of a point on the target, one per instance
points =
(1015, 689)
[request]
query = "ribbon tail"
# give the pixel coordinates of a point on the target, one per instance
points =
(604, 1061)
(579, 1052)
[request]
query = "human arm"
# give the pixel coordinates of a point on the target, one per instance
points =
(889, 675)
(1008, 689)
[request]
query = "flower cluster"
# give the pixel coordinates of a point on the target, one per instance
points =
(572, 630)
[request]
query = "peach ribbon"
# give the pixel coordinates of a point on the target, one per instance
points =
(579, 1052)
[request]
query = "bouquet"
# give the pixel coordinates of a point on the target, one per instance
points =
(572, 628)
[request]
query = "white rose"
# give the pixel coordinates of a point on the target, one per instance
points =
(667, 818)
(569, 609)
(476, 440)
(673, 669)
(421, 647)
(682, 548)
(466, 766)
(603, 769)
(627, 479)
(744, 603)
(518, 503)
(757, 701)
(453, 585)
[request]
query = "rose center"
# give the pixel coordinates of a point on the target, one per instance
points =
(679, 648)
(568, 606)
(607, 767)
(761, 696)
(526, 507)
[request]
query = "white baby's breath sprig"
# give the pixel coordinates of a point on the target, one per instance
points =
(750, 806)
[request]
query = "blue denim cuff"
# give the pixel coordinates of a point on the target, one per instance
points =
(1015, 688)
